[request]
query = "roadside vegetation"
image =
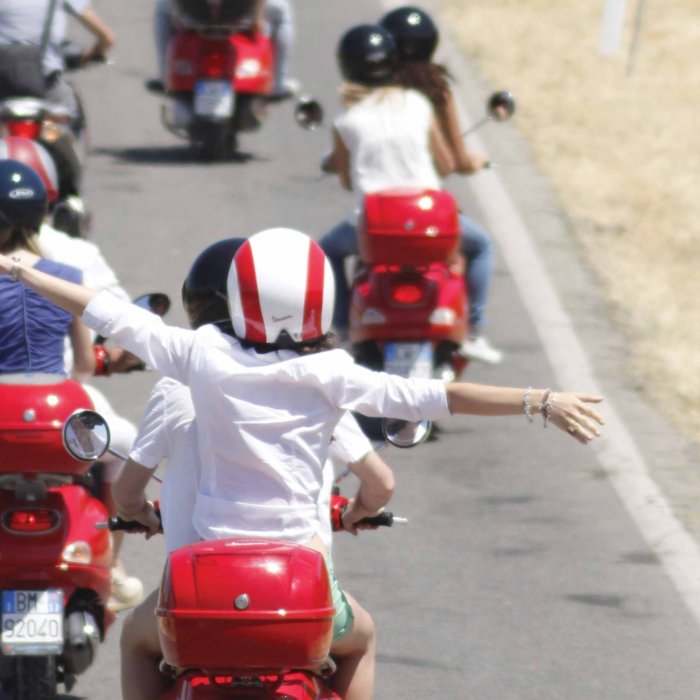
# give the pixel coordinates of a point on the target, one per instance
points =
(620, 141)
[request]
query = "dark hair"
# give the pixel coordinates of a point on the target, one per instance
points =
(431, 79)
(311, 347)
(13, 237)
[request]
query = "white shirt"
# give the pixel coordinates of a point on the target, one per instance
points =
(168, 431)
(22, 21)
(264, 420)
(388, 136)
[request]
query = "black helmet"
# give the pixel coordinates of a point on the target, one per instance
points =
(215, 13)
(367, 55)
(23, 197)
(206, 281)
(414, 32)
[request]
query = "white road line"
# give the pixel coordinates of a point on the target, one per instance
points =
(616, 451)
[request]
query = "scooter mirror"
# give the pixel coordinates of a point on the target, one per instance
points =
(155, 302)
(86, 435)
(501, 106)
(403, 433)
(308, 113)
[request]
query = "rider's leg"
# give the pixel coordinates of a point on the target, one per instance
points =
(280, 19)
(162, 31)
(354, 655)
(141, 678)
(338, 244)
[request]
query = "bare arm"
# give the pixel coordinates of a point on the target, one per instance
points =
(444, 163)
(338, 161)
(569, 411)
(102, 33)
(377, 485)
(466, 162)
(69, 296)
(129, 494)
(81, 342)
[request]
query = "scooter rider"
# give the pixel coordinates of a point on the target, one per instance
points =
(416, 36)
(268, 398)
(96, 273)
(22, 22)
(168, 431)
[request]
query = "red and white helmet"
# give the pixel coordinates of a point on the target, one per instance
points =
(280, 289)
(35, 156)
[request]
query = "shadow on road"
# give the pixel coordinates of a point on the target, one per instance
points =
(167, 155)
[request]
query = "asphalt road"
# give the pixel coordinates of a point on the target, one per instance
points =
(520, 575)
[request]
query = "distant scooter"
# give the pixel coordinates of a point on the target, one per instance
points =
(219, 75)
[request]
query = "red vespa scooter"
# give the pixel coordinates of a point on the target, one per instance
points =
(55, 565)
(243, 618)
(219, 75)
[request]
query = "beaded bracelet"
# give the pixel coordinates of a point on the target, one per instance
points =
(14, 270)
(527, 406)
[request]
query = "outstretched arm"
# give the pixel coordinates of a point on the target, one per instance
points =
(569, 411)
(69, 296)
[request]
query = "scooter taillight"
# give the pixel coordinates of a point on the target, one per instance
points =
(214, 64)
(406, 293)
(30, 521)
(25, 127)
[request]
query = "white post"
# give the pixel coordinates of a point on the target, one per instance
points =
(611, 28)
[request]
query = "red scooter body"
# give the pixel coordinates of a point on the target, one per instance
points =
(246, 618)
(409, 301)
(55, 568)
(218, 80)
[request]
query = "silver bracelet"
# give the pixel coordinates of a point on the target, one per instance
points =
(14, 270)
(547, 405)
(527, 406)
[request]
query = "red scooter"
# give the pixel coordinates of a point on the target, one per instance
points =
(408, 307)
(219, 75)
(55, 565)
(243, 618)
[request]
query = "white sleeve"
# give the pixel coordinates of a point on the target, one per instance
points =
(378, 394)
(349, 444)
(165, 348)
(151, 444)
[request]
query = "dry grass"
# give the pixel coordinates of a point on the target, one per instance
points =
(623, 151)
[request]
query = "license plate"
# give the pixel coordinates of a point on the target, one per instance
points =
(32, 622)
(213, 98)
(409, 359)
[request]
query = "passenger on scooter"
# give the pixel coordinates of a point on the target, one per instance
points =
(23, 22)
(390, 136)
(269, 395)
(416, 37)
(87, 258)
(33, 331)
(168, 431)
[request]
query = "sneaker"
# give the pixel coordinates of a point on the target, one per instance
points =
(478, 348)
(127, 592)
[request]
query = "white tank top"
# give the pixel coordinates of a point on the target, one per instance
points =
(388, 136)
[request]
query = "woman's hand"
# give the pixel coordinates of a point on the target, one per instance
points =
(572, 413)
(354, 512)
(5, 265)
(148, 517)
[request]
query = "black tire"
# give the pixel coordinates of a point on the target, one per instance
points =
(35, 678)
(216, 142)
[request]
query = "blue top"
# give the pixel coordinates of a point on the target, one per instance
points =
(32, 329)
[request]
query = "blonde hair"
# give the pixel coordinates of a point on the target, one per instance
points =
(352, 93)
(15, 237)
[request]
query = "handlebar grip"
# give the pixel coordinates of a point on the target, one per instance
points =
(385, 519)
(116, 524)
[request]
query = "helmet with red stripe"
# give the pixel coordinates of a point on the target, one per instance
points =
(280, 289)
(34, 155)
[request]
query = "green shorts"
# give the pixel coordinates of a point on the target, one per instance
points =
(342, 622)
